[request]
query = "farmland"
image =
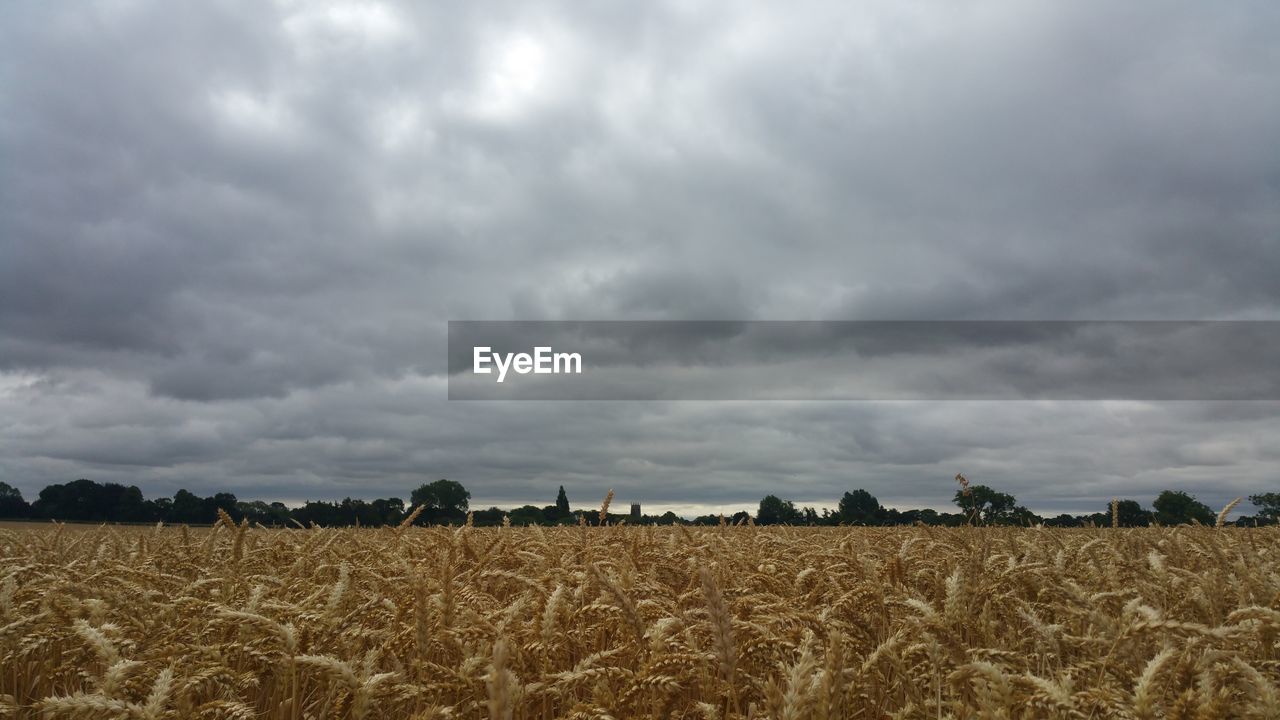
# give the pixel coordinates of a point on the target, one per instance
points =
(597, 622)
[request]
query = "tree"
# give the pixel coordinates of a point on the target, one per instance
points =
(1268, 507)
(526, 515)
(859, 508)
(224, 501)
(188, 507)
(258, 511)
(1063, 520)
(389, 511)
(130, 506)
(87, 500)
(11, 503)
(927, 516)
(1175, 507)
(562, 503)
(990, 506)
(1024, 517)
(442, 501)
(776, 511)
(1130, 514)
(325, 514)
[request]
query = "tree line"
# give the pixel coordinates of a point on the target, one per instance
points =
(981, 505)
(448, 502)
(440, 502)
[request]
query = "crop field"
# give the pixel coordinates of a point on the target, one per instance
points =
(623, 622)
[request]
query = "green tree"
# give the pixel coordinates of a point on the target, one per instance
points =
(859, 508)
(266, 513)
(562, 503)
(1022, 516)
(224, 501)
(1268, 507)
(389, 511)
(1063, 520)
(1175, 507)
(11, 503)
(87, 500)
(526, 515)
(488, 518)
(776, 511)
(442, 501)
(990, 506)
(670, 518)
(1130, 514)
(927, 516)
(187, 507)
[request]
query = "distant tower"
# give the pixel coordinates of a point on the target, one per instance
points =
(635, 512)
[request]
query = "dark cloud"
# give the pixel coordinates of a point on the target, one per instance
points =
(231, 234)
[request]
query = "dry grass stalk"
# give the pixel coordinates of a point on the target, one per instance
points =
(501, 684)
(412, 517)
(1222, 516)
(604, 507)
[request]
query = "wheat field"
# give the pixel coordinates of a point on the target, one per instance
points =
(622, 622)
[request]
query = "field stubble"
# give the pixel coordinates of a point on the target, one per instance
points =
(622, 622)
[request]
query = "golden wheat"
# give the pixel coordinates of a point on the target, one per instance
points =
(733, 621)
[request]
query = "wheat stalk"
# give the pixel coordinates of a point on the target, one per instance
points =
(1222, 516)
(604, 507)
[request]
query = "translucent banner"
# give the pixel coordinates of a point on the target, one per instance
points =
(864, 360)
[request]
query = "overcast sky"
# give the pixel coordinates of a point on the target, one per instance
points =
(232, 233)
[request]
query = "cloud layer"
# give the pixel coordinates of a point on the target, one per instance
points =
(231, 234)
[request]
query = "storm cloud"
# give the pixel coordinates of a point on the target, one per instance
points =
(232, 234)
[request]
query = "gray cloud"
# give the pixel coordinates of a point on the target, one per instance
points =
(231, 235)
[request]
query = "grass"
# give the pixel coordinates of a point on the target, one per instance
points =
(622, 622)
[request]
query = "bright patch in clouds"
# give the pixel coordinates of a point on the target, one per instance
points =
(361, 23)
(402, 125)
(249, 112)
(11, 383)
(513, 77)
